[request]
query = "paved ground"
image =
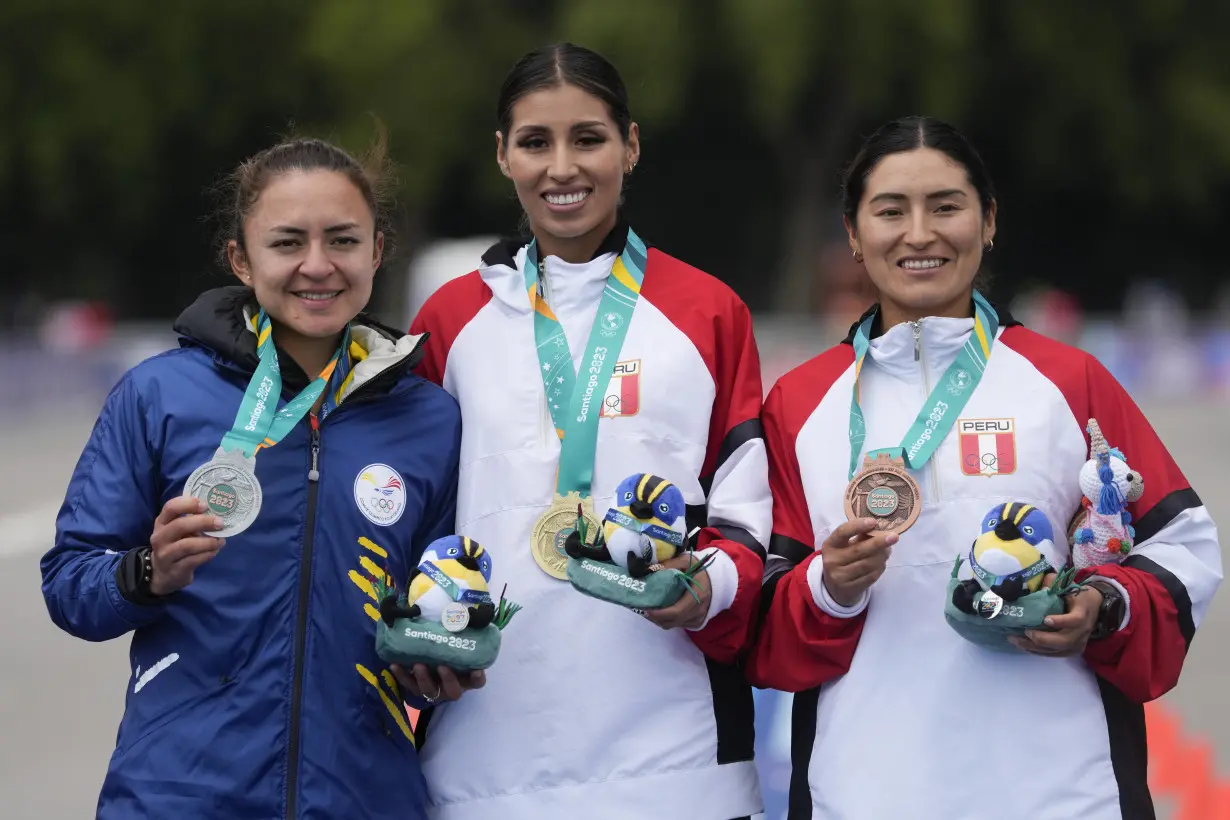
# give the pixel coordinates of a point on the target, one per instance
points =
(60, 698)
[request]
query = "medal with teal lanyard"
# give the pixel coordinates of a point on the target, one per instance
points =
(575, 401)
(883, 489)
(227, 482)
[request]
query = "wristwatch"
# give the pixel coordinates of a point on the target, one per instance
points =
(1110, 613)
(133, 575)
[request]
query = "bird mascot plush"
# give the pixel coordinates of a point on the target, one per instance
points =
(447, 616)
(645, 526)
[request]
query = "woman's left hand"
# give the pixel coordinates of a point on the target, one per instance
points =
(687, 612)
(1069, 632)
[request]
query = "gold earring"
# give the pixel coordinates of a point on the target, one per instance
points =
(858, 256)
(990, 246)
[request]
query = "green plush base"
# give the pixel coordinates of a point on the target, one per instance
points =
(410, 641)
(612, 583)
(1017, 616)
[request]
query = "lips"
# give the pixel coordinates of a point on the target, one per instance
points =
(568, 198)
(317, 295)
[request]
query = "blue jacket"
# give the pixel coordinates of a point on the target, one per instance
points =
(256, 691)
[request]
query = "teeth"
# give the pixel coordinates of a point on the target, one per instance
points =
(921, 264)
(567, 199)
(318, 297)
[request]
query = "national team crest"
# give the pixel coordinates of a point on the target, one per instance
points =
(623, 393)
(988, 446)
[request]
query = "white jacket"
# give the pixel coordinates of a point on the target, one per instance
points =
(909, 719)
(591, 710)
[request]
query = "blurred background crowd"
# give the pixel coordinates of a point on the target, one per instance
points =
(1104, 126)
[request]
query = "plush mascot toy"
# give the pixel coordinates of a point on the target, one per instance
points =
(1101, 532)
(447, 616)
(645, 527)
(1005, 597)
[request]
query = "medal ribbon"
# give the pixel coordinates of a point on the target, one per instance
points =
(946, 401)
(452, 588)
(652, 530)
(988, 580)
(576, 405)
(256, 425)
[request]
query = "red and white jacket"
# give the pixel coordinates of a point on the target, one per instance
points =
(591, 710)
(896, 715)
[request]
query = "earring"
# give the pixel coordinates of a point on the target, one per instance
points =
(990, 246)
(857, 254)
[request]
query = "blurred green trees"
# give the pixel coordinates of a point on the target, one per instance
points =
(1105, 125)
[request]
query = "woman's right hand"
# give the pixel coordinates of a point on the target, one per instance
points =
(437, 685)
(854, 557)
(178, 546)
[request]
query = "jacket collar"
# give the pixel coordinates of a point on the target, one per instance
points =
(217, 322)
(503, 266)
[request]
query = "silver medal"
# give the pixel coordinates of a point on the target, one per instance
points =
(990, 605)
(228, 486)
(456, 616)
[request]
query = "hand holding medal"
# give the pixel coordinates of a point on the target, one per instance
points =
(178, 546)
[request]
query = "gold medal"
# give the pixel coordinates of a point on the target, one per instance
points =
(884, 491)
(552, 529)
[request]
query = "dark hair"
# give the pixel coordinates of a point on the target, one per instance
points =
(243, 187)
(564, 64)
(907, 134)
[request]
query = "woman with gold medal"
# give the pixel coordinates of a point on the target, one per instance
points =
(581, 355)
(885, 454)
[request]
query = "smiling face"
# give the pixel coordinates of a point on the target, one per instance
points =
(567, 160)
(310, 253)
(921, 230)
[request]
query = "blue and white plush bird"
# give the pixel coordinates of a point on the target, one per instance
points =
(646, 525)
(452, 568)
(1009, 555)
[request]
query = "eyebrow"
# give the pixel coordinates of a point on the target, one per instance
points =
(291, 229)
(948, 192)
(577, 127)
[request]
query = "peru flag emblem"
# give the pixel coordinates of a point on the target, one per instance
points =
(623, 393)
(988, 446)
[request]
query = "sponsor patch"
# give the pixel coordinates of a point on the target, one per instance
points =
(380, 494)
(988, 446)
(623, 394)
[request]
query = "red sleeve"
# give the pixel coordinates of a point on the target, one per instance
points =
(738, 505)
(798, 646)
(1174, 535)
(443, 316)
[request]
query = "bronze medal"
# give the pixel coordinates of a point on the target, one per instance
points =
(552, 529)
(885, 491)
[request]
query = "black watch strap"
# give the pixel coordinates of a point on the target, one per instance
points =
(1110, 614)
(133, 575)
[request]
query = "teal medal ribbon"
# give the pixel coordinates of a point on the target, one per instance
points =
(947, 398)
(575, 404)
(227, 483)
(452, 588)
(256, 426)
(988, 579)
(652, 530)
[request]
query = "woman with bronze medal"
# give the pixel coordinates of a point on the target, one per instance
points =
(885, 455)
(238, 502)
(580, 355)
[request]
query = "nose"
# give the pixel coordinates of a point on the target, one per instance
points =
(317, 262)
(469, 562)
(563, 163)
(641, 510)
(919, 233)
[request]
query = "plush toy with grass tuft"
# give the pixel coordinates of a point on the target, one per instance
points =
(446, 617)
(645, 527)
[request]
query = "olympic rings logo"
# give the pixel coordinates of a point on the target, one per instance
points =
(385, 505)
(985, 460)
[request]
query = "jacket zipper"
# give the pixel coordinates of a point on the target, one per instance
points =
(305, 588)
(918, 357)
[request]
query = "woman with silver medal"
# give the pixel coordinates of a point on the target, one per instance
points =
(948, 407)
(580, 355)
(239, 502)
